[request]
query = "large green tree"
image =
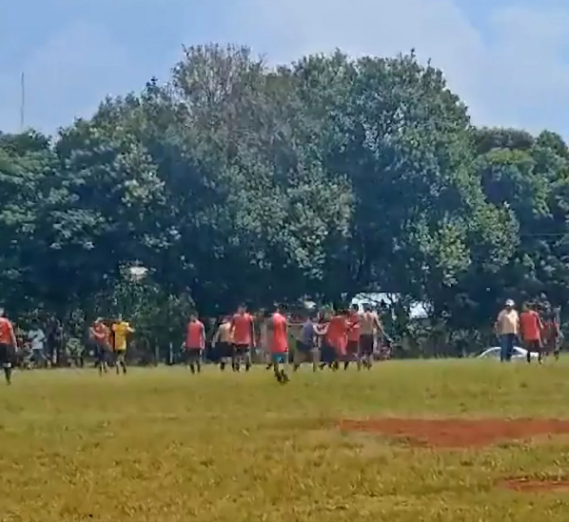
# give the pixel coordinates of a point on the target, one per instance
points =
(327, 177)
(402, 139)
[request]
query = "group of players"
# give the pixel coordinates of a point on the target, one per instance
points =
(323, 339)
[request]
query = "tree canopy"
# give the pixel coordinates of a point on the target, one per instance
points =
(324, 178)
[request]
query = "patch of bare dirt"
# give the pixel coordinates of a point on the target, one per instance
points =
(528, 485)
(457, 433)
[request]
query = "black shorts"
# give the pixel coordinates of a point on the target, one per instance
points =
(101, 353)
(7, 354)
(192, 354)
(223, 350)
(366, 344)
(120, 355)
(327, 353)
(241, 349)
(303, 347)
(533, 346)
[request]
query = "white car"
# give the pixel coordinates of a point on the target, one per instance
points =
(518, 354)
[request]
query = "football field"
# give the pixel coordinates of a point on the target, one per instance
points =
(409, 441)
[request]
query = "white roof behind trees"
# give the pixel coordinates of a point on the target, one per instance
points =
(418, 310)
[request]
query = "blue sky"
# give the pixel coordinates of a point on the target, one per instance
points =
(508, 59)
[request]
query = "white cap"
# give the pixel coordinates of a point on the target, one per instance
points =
(510, 302)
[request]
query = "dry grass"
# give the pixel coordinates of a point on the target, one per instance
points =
(161, 445)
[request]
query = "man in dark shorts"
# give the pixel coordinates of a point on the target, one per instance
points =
(243, 334)
(100, 337)
(530, 330)
(54, 340)
(551, 333)
(327, 351)
(370, 327)
(306, 345)
(195, 343)
(223, 343)
(8, 346)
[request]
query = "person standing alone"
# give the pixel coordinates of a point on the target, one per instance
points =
(195, 343)
(507, 328)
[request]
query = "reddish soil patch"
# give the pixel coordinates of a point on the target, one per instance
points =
(526, 484)
(457, 433)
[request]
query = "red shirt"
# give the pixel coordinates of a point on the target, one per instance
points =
(354, 324)
(337, 334)
(242, 329)
(102, 334)
(6, 331)
(279, 340)
(195, 335)
(530, 326)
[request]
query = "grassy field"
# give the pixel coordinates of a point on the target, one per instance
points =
(162, 445)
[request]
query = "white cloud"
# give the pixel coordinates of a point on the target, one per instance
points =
(512, 67)
(512, 73)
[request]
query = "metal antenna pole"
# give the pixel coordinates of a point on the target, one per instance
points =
(22, 102)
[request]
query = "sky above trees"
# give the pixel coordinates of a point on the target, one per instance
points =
(508, 59)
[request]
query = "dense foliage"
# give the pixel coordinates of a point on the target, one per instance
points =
(324, 178)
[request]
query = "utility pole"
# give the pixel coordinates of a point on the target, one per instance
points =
(22, 102)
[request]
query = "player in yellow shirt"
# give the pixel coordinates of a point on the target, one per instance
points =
(121, 330)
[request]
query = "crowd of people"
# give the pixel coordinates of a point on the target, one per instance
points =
(323, 339)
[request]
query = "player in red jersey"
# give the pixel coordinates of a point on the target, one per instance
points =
(243, 334)
(277, 340)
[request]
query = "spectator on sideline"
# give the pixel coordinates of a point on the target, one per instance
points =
(507, 328)
(54, 340)
(37, 339)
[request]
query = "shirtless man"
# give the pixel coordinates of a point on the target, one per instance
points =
(353, 346)
(370, 328)
(223, 342)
